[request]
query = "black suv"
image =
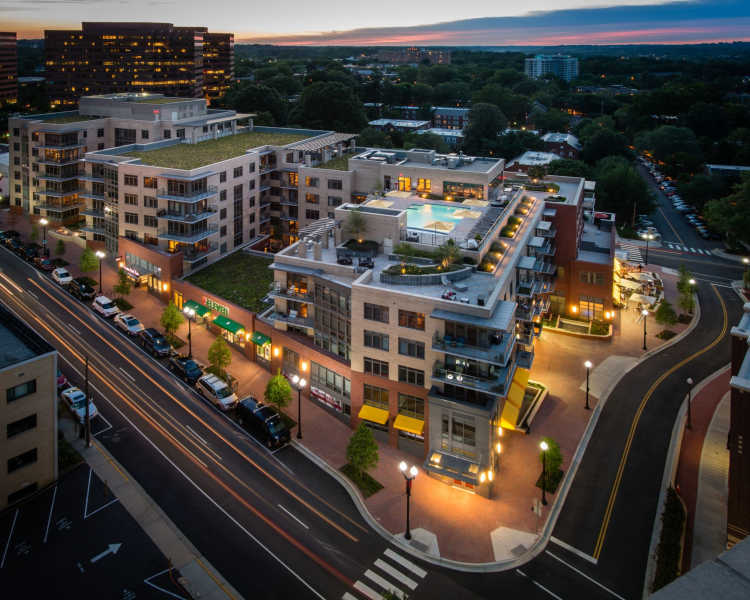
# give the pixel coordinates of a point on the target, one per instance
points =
(7, 235)
(263, 422)
(31, 251)
(185, 368)
(80, 288)
(154, 342)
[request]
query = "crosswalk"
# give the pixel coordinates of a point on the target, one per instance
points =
(634, 252)
(683, 248)
(390, 573)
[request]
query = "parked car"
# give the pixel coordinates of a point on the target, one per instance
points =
(80, 288)
(263, 422)
(105, 307)
(649, 231)
(8, 235)
(31, 251)
(128, 323)
(154, 342)
(61, 276)
(45, 264)
(217, 392)
(15, 245)
(75, 401)
(62, 381)
(185, 368)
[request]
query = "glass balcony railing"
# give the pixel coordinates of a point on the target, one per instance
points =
(494, 383)
(189, 197)
(497, 354)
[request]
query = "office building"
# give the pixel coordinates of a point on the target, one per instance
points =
(28, 410)
(8, 68)
(564, 67)
(738, 516)
(104, 58)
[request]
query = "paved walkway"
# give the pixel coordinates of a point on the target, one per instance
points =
(702, 472)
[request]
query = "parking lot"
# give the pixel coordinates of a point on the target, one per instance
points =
(75, 540)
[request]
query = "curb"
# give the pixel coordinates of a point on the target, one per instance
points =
(718, 252)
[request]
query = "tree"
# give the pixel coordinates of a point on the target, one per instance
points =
(355, 223)
(278, 391)
(371, 137)
(514, 143)
(666, 141)
(621, 189)
(248, 97)
(171, 318)
(731, 215)
(552, 120)
(329, 105)
(486, 121)
(219, 355)
(665, 314)
(89, 261)
(685, 288)
(34, 233)
(430, 141)
(123, 285)
(448, 253)
(604, 142)
(570, 168)
(537, 172)
(362, 450)
(60, 248)
(552, 460)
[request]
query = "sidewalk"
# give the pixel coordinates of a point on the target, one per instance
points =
(702, 473)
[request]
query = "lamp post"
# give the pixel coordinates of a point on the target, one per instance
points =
(647, 237)
(43, 222)
(689, 381)
(409, 474)
(691, 281)
(544, 446)
(100, 255)
(588, 366)
(644, 312)
(190, 313)
(299, 383)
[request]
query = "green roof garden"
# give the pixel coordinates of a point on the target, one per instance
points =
(191, 156)
(339, 163)
(70, 119)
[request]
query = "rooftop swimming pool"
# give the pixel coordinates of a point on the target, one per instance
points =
(438, 216)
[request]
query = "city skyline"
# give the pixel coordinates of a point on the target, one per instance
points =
(630, 22)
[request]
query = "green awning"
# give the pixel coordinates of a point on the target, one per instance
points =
(259, 339)
(228, 324)
(199, 309)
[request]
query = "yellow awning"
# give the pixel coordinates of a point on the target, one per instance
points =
(409, 424)
(376, 415)
(509, 416)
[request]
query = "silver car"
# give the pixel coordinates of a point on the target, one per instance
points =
(128, 323)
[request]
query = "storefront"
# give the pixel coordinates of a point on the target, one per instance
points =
(262, 349)
(202, 313)
(136, 277)
(232, 331)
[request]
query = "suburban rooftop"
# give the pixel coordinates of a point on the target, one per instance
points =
(429, 159)
(18, 342)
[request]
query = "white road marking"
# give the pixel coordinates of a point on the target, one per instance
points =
(382, 582)
(348, 596)
(419, 572)
(293, 517)
(128, 375)
(74, 329)
(574, 550)
(692, 249)
(396, 574)
(147, 581)
(368, 591)
(582, 574)
(107, 428)
(539, 585)
(49, 518)
(10, 535)
(34, 296)
(191, 430)
(111, 549)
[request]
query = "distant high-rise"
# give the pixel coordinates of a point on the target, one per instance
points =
(564, 67)
(8, 67)
(415, 55)
(104, 58)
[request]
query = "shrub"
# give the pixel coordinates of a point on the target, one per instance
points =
(668, 550)
(665, 314)
(599, 328)
(60, 248)
(667, 334)
(362, 451)
(89, 261)
(278, 391)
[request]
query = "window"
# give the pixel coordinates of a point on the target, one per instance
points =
(404, 183)
(238, 191)
(149, 182)
(17, 462)
(312, 181)
(312, 198)
(251, 202)
(409, 375)
(411, 406)
(252, 218)
(238, 171)
(223, 213)
(424, 185)
(376, 367)
(100, 146)
(149, 201)
(223, 248)
(312, 215)
(131, 199)
(223, 231)
(17, 427)
(16, 131)
(591, 308)
(375, 312)
(290, 360)
(167, 134)
(144, 134)
(149, 220)
(373, 339)
(21, 390)
(335, 184)
(251, 168)
(222, 177)
(375, 396)
(458, 434)
(100, 132)
(289, 157)
(251, 184)
(335, 200)
(222, 195)
(131, 180)
(131, 218)
(180, 133)
(130, 234)
(413, 320)
(26, 490)
(592, 277)
(410, 348)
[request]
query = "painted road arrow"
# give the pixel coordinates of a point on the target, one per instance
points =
(112, 549)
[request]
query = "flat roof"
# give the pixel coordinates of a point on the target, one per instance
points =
(398, 123)
(70, 118)
(18, 342)
(191, 156)
(534, 157)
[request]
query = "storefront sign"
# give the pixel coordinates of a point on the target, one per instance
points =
(216, 307)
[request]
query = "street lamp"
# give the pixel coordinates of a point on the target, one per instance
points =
(691, 281)
(689, 381)
(644, 312)
(409, 474)
(190, 313)
(299, 383)
(43, 222)
(100, 255)
(647, 237)
(588, 366)
(544, 446)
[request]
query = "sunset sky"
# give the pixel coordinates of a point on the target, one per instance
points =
(395, 22)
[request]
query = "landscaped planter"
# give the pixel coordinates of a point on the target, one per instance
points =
(430, 279)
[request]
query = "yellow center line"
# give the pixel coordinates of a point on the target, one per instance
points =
(636, 419)
(663, 214)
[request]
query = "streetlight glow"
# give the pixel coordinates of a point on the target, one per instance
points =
(644, 312)
(43, 222)
(302, 383)
(691, 281)
(100, 254)
(498, 448)
(482, 477)
(413, 471)
(588, 364)
(402, 466)
(295, 379)
(544, 445)
(490, 475)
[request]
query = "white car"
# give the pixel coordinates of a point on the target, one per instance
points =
(105, 307)
(128, 323)
(642, 233)
(217, 392)
(75, 400)
(61, 276)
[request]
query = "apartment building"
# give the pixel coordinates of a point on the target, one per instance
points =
(564, 145)
(450, 117)
(400, 125)
(532, 158)
(738, 518)
(8, 68)
(563, 66)
(414, 55)
(104, 58)
(28, 411)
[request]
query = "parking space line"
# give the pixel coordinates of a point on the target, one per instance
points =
(74, 329)
(10, 535)
(107, 428)
(191, 430)
(49, 518)
(147, 581)
(88, 487)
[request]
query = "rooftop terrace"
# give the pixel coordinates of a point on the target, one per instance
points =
(68, 118)
(191, 156)
(339, 163)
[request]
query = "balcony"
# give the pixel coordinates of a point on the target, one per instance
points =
(525, 359)
(494, 384)
(186, 217)
(91, 179)
(90, 212)
(546, 233)
(92, 229)
(263, 187)
(57, 179)
(287, 202)
(529, 312)
(191, 254)
(544, 267)
(90, 195)
(186, 237)
(290, 294)
(192, 198)
(59, 194)
(264, 169)
(528, 289)
(496, 354)
(59, 163)
(61, 146)
(287, 218)
(292, 318)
